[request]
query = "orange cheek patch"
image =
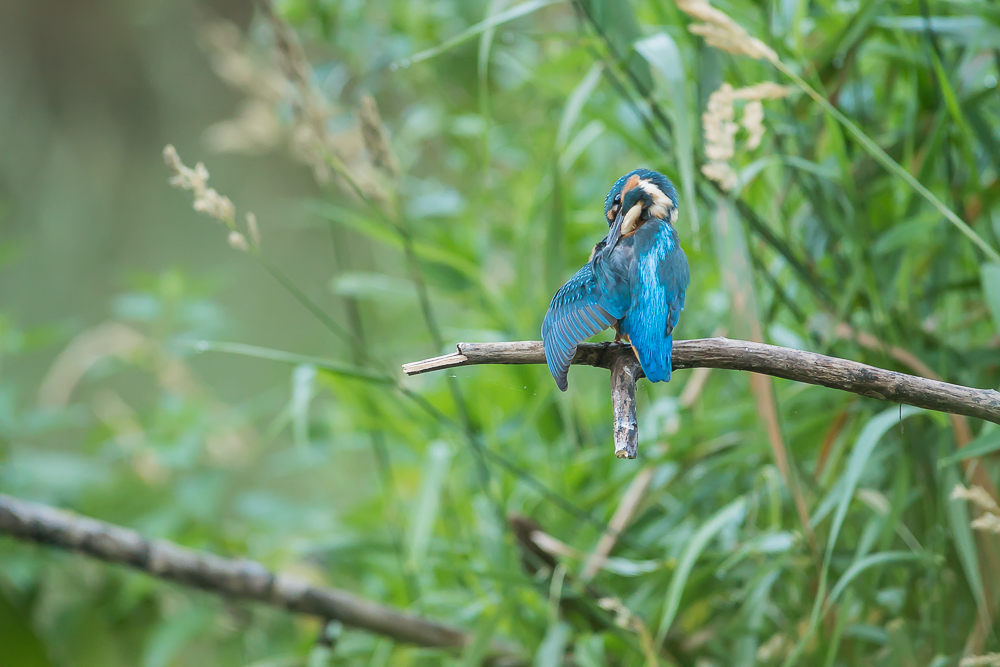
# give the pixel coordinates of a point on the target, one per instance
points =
(630, 184)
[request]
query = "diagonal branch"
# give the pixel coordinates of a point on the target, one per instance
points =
(234, 578)
(741, 355)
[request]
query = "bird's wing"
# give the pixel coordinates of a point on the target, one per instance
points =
(578, 311)
(675, 275)
(659, 278)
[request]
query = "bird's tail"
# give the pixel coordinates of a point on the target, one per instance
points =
(656, 362)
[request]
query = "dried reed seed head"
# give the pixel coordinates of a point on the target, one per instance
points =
(720, 139)
(721, 173)
(225, 44)
(753, 119)
(766, 90)
(291, 57)
(206, 199)
(235, 63)
(736, 42)
(238, 242)
(376, 137)
(253, 230)
(171, 158)
(722, 32)
(988, 522)
(703, 11)
(720, 129)
(717, 123)
(217, 206)
(977, 495)
(256, 128)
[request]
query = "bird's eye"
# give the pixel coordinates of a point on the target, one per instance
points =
(618, 198)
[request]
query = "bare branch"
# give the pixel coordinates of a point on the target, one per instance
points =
(625, 371)
(740, 355)
(234, 578)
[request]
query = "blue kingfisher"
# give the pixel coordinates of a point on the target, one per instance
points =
(634, 281)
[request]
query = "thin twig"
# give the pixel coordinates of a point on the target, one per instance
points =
(235, 578)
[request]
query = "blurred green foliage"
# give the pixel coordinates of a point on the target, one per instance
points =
(507, 134)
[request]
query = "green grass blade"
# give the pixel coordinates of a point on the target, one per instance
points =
(378, 231)
(961, 532)
(552, 649)
(19, 645)
(475, 651)
(575, 102)
(242, 349)
(990, 279)
(870, 435)
(857, 567)
(986, 443)
(894, 167)
(728, 514)
(520, 10)
(425, 513)
(661, 52)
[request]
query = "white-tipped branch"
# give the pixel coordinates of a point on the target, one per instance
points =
(234, 578)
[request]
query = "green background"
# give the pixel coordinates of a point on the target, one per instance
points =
(507, 143)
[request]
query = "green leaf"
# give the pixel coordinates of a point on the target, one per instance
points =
(555, 235)
(553, 647)
(616, 22)
(386, 235)
(579, 144)
(174, 634)
(476, 650)
(990, 277)
(950, 99)
(728, 514)
(19, 645)
(869, 437)
(425, 513)
(589, 651)
(891, 165)
(575, 102)
(662, 53)
(961, 532)
(517, 12)
(859, 566)
(303, 382)
(965, 30)
(373, 286)
(328, 365)
(987, 443)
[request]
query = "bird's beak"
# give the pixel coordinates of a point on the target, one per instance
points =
(615, 234)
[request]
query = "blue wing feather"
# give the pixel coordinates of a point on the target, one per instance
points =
(659, 278)
(579, 310)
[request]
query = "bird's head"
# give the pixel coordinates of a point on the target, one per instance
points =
(638, 196)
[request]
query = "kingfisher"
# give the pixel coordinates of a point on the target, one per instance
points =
(635, 281)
